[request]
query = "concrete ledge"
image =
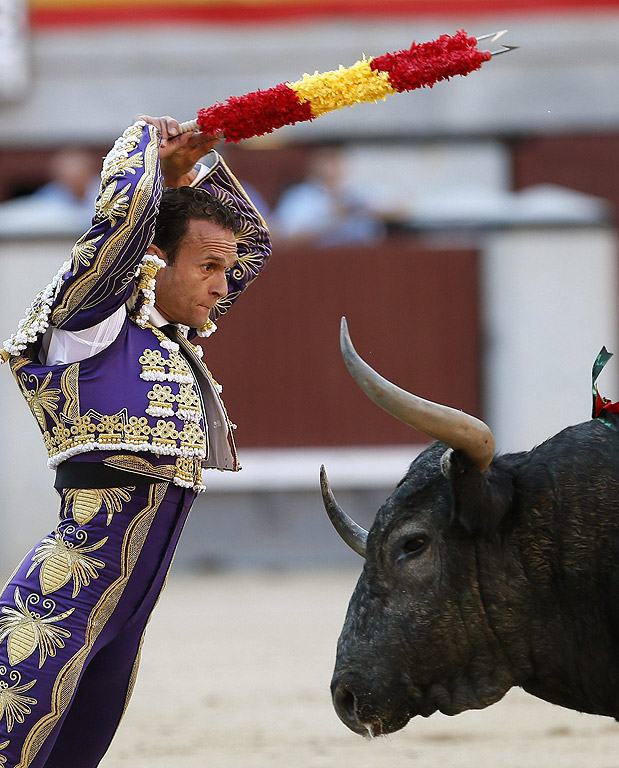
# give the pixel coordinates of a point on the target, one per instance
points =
(297, 469)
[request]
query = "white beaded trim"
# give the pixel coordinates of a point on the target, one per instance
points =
(36, 320)
(171, 346)
(185, 415)
(146, 281)
(158, 450)
(179, 378)
(157, 411)
(207, 330)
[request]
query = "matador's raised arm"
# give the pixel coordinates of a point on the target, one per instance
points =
(100, 276)
(252, 237)
(104, 260)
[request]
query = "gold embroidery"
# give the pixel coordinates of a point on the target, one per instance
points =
(221, 174)
(68, 677)
(17, 363)
(122, 164)
(223, 304)
(61, 561)
(70, 432)
(192, 436)
(112, 206)
(137, 430)
(154, 364)
(13, 704)
(83, 430)
(178, 365)
(188, 400)
(246, 234)
(117, 162)
(3, 746)
(249, 265)
(141, 466)
(223, 195)
(152, 361)
(28, 630)
(58, 441)
(164, 435)
(88, 501)
(189, 469)
(112, 249)
(94, 429)
(111, 428)
(41, 398)
(84, 250)
(161, 399)
(69, 383)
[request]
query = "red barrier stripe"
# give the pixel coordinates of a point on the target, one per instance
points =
(61, 15)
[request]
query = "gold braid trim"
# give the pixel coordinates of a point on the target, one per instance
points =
(141, 466)
(69, 675)
(112, 248)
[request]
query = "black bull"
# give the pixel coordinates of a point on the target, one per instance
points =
(482, 573)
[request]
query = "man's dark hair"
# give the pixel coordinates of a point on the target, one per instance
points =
(179, 205)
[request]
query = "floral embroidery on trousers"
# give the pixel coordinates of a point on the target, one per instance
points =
(72, 618)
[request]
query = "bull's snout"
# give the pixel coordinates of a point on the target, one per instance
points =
(345, 707)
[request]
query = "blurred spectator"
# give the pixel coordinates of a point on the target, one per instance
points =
(65, 204)
(74, 181)
(233, 157)
(258, 200)
(322, 210)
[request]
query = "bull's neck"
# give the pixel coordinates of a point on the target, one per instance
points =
(556, 609)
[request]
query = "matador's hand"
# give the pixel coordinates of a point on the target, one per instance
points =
(179, 152)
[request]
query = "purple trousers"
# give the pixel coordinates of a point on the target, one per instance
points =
(72, 620)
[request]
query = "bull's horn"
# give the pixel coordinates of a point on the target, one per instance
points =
(456, 429)
(354, 535)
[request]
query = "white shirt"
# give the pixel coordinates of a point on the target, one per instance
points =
(60, 347)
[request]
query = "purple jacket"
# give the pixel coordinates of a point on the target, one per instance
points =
(140, 404)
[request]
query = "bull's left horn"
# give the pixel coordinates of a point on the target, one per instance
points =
(354, 535)
(456, 429)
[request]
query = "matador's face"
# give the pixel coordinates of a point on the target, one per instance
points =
(187, 290)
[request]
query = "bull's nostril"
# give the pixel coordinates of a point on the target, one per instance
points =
(345, 707)
(344, 702)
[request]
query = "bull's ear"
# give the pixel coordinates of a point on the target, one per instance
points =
(481, 499)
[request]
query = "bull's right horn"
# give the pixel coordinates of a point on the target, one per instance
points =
(354, 535)
(456, 429)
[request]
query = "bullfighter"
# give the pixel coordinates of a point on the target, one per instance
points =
(130, 416)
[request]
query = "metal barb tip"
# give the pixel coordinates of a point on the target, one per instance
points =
(504, 49)
(493, 35)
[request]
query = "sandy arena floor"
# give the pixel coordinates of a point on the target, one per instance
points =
(235, 672)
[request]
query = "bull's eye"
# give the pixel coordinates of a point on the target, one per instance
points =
(412, 546)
